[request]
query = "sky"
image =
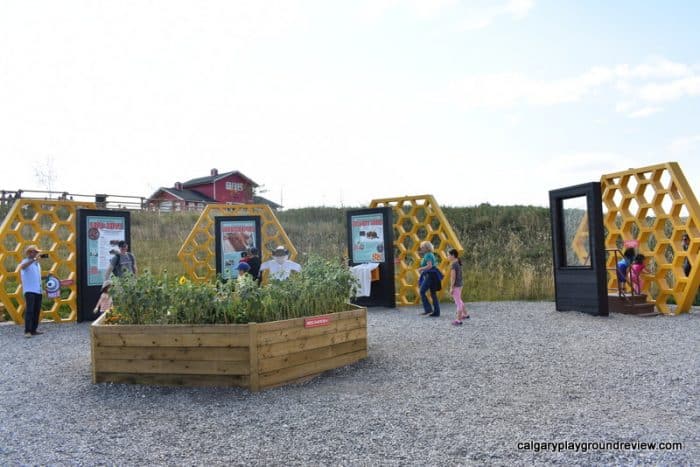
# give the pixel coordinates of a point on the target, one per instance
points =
(336, 103)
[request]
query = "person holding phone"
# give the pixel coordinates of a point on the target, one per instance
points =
(30, 275)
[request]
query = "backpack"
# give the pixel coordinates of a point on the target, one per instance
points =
(117, 270)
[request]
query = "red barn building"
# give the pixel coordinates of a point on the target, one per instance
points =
(226, 188)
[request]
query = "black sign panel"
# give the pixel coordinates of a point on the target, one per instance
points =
(99, 232)
(370, 234)
(235, 236)
(578, 244)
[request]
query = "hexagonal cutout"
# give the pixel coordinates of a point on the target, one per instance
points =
(630, 230)
(201, 238)
(646, 193)
(617, 197)
(27, 212)
(64, 233)
(201, 254)
(408, 243)
(632, 184)
(64, 213)
(421, 214)
(10, 262)
(10, 242)
(46, 221)
(664, 178)
(28, 232)
(649, 240)
(669, 253)
(406, 225)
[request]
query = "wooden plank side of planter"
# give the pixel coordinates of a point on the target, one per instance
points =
(216, 354)
(174, 379)
(297, 331)
(169, 339)
(314, 342)
(182, 367)
(287, 375)
(300, 358)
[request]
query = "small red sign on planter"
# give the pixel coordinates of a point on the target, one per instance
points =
(317, 321)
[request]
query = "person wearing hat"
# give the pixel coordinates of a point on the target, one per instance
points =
(30, 275)
(105, 301)
(243, 269)
(280, 267)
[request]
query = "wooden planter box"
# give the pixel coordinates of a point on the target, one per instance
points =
(254, 356)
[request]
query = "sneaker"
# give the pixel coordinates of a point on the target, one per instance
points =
(426, 313)
(434, 315)
(27, 335)
(456, 323)
(37, 333)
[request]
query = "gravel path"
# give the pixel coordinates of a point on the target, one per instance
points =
(429, 394)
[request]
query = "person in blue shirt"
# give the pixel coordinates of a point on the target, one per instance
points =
(30, 275)
(430, 280)
(622, 269)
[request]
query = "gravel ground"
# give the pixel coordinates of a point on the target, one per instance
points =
(429, 394)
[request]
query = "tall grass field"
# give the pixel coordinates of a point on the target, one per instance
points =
(508, 251)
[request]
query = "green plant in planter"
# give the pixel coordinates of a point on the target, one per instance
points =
(322, 287)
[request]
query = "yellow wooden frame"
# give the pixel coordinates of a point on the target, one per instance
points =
(644, 204)
(197, 252)
(50, 224)
(417, 218)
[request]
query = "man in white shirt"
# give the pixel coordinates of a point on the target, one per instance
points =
(30, 275)
(280, 267)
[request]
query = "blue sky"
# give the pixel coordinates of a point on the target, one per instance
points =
(337, 103)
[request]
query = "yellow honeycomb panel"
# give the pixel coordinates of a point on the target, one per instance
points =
(51, 224)
(418, 218)
(197, 253)
(655, 205)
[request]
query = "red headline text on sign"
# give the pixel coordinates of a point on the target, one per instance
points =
(317, 321)
(238, 228)
(107, 225)
(364, 223)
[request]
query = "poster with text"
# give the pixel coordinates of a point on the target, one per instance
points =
(367, 232)
(103, 235)
(237, 236)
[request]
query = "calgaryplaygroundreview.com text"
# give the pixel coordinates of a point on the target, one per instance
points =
(560, 446)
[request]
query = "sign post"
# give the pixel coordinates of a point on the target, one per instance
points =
(99, 232)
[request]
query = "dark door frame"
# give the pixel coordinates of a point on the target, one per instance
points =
(579, 287)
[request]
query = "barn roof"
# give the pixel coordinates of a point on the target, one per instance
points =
(215, 178)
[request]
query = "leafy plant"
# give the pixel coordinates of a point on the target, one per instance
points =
(322, 287)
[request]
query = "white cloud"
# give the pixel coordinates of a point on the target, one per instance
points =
(474, 14)
(685, 144)
(641, 88)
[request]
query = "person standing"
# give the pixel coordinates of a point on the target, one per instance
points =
(685, 243)
(456, 286)
(254, 263)
(122, 262)
(30, 275)
(430, 280)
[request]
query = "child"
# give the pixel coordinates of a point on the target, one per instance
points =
(636, 271)
(456, 286)
(621, 268)
(105, 301)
